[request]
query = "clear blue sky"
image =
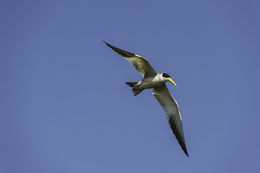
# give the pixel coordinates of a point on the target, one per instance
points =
(65, 106)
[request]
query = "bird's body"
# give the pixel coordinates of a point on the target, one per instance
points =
(151, 82)
(156, 82)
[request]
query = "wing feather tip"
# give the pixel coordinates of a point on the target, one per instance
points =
(107, 43)
(120, 51)
(186, 152)
(183, 146)
(179, 137)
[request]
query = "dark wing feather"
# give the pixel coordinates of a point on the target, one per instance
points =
(178, 134)
(140, 63)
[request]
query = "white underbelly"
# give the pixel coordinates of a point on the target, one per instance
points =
(150, 84)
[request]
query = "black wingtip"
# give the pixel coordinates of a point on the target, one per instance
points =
(120, 51)
(109, 45)
(179, 135)
(185, 150)
(186, 154)
(105, 42)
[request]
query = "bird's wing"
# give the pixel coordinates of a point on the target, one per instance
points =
(171, 108)
(140, 63)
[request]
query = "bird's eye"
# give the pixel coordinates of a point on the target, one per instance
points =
(165, 75)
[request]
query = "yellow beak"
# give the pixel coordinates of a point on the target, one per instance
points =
(170, 80)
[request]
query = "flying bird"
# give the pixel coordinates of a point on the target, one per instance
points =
(156, 82)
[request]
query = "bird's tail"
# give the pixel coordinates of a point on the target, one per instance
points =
(134, 87)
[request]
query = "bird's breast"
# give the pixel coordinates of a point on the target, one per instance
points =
(150, 84)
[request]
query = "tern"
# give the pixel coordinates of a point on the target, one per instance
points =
(156, 82)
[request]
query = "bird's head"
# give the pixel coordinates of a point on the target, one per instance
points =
(168, 78)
